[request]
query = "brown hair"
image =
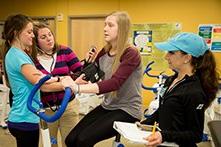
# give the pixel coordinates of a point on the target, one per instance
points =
(205, 67)
(36, 48)
(13, 26)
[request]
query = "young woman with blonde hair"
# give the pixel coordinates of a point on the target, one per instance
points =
(121, 86)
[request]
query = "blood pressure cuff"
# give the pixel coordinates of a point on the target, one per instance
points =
(92, 72)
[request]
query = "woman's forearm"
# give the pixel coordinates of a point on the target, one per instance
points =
(85, 88)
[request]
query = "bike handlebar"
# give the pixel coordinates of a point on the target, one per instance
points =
(146, 71)
(40, 112)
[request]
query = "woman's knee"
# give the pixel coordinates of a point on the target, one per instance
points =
(69, 140)
(79, 141)
(84, 140)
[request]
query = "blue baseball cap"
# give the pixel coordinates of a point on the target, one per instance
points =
(189, 43)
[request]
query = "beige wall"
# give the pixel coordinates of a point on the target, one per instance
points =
(190, 13)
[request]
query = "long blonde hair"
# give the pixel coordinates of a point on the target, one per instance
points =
(124, 23)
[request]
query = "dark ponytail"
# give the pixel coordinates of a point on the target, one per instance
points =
(205, 68)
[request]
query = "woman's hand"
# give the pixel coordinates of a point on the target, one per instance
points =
(154, 139)
(41, 75)
(80, 80)
(91, 55)
(67, 81)
(52, 80)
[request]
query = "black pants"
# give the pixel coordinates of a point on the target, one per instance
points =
(25, 138)
(96, 126)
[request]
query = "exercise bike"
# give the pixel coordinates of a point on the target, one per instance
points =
(156, 89)
(46, 140)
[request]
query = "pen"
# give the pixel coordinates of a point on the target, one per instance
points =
(143, 127)
(154, 127)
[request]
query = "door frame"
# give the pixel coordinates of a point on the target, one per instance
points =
(45, 18)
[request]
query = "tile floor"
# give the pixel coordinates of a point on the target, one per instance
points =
(6, 140)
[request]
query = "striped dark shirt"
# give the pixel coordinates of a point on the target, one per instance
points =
(66, 62)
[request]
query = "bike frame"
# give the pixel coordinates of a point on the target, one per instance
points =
(46, 140)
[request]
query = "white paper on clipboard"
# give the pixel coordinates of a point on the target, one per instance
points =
(134, 134)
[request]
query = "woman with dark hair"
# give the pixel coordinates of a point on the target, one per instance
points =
(57, 60)
(187, 94)
(21, 75)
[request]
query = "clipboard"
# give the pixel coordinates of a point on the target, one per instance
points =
(136, 134)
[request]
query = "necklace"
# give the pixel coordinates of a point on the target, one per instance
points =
(174, 84)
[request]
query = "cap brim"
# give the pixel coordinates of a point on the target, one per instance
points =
(165, 46)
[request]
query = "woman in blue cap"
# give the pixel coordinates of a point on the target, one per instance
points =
(187, 93)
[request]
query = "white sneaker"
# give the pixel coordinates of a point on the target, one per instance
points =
(3, 125)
